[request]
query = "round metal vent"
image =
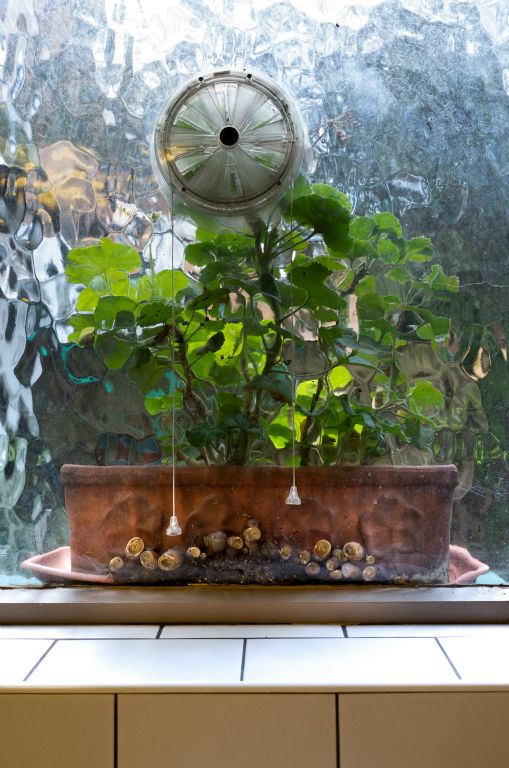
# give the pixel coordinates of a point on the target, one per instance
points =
(228, 142)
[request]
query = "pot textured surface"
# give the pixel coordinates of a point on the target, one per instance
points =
(237, 528)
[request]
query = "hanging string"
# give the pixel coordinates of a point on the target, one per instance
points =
(174, 528)
(293, 497)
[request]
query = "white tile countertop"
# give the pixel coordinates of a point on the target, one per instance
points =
(259, 658)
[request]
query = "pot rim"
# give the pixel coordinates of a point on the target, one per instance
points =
(375, 474)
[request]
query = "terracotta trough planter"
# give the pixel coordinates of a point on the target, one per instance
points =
(236, 527)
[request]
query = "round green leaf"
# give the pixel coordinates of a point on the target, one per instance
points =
(83, 264)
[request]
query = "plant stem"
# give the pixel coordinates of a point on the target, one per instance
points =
(252, 405)
(197, 410)
(283, 247)
(264, 260)
(237, 449)
(189, 393)
(151, 262)
(305, 448)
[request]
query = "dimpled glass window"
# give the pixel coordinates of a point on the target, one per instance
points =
(406, 107)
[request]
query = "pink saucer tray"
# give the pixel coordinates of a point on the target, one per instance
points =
(55, 567)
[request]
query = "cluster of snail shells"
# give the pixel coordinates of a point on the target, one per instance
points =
(214, 543)
(218, 542)
(348, 562)
(135, 552)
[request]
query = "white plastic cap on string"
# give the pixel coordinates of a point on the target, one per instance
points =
(293, 497)
(174, 528)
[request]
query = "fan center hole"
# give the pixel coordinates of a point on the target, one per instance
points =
(229, 136)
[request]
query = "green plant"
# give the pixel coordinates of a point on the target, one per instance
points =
(286, 343)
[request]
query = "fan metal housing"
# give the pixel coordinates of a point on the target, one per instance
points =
(228, 143)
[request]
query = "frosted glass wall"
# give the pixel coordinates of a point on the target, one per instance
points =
(407, 107)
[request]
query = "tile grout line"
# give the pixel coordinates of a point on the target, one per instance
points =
(338, 759)
(239, 637)
(115, 731)
(116, 639)
(40, 660)
(243, 662)
(447, 657)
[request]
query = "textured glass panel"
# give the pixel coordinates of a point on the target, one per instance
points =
(407, 107)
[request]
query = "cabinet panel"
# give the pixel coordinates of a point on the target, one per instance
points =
(218, 730)
(419, 730)
(56, 730)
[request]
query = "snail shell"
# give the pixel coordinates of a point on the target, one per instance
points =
(322, 549)
(312, 569)
(304, 557)
(148, 560)
(193, 552)
(235, 542)
(134, 547)
(216, 541)
(369, 573)
(353, 550)
(351, 571)
(252, 534)
(116, 563)
(170, 560)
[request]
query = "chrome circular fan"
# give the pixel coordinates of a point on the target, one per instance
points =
(228, 142)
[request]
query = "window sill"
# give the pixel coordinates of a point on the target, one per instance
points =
(212, 604)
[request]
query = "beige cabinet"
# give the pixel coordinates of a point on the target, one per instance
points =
(255, 730)
(252, 730)
(56, 730)
(424, 730)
